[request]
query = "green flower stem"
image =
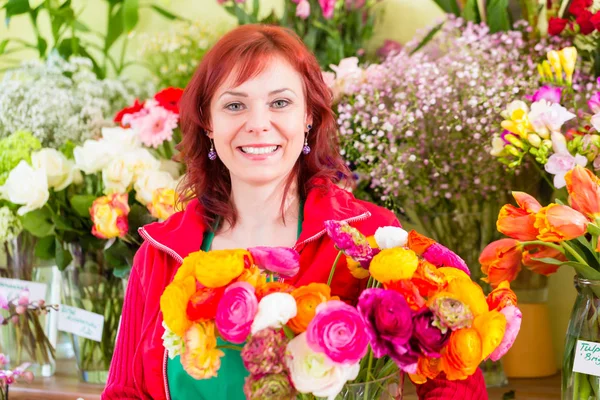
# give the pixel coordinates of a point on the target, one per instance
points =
(547, 244)
(369, 366)
(333, 268)
(230, 347)
(574, 253)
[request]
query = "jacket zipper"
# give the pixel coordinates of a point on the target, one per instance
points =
(177, 257)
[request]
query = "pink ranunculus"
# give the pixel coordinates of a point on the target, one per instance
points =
(548, 93)
(338, 331)
(513, 325)
(441, 256)
(594, 103)
(283, 261)
(154, 124)
(236, 311)
(328, 7)
(303, 9)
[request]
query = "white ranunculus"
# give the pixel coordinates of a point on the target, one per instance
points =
(388, 237)
(27, 187)
(60, 171)
(149, 181)
(140, 160)
(314, 372)
(93, 156)
(121, 140)
(274, 311)
(117, 176)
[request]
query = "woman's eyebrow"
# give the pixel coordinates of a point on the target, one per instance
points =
(243, 94)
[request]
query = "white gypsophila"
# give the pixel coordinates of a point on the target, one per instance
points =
(60, 101)
(10, 224)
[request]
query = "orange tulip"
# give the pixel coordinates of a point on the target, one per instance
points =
(501, 297)
(584, 191)
(518, 222)
(462, 354)
(418, 243)
(541, 267)
(501, 261)
(557, 223)
(307, 299)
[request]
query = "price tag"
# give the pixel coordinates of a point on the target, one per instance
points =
(587, 358)
(11, 288)
(80, 322)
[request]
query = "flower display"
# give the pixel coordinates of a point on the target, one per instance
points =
(308, 299)
(201, 358)
(349, 240)
(382, 269)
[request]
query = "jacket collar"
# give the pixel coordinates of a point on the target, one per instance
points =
(182, 233)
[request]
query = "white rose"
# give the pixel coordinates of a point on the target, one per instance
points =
(121, 140)
(388, 237)
(26, 186)
(274, 311)
(172, 167)
(140, 160)
(117, 176)
(314, 372)
(148, 182)
(59, 170)
(93, 156)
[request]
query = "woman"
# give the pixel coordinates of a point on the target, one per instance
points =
(259, 142)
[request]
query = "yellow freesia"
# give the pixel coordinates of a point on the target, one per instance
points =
(568, 58)
(554, 60)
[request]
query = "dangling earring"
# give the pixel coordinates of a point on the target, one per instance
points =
(212, 154)
(306, 148)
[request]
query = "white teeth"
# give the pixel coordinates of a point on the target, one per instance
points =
(259, 150)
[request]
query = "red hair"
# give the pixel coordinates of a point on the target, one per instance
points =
(248, 49)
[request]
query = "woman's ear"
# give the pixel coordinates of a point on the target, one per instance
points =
(209, 134)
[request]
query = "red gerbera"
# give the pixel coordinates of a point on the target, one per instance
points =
(169, 98)
(137, 106)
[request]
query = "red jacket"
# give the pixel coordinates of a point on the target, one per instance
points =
(139, 362)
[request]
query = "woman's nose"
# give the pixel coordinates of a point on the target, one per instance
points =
(259, 120)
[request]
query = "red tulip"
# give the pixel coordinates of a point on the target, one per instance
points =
(541, 267)
(518, 222)
(501, 261)
(557, 223)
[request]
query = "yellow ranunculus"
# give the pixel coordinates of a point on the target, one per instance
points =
(219, 267)
(201, 358)
(469, 293)
(491, 327)
(451, 273)
(253, 276)
(163, 203)
(394, 264)
(173, 304)
(354, 266)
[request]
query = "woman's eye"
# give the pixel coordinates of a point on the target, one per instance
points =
(280, 103)
(234, 106)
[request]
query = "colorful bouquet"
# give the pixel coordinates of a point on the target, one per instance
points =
(420, 314)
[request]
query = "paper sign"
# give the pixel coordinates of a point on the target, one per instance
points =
(587, 358)
(80, 322)
(11, 288)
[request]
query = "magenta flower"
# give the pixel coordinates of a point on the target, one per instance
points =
(154, 124)
(280, 260)
(441, 256)
(269, 387)
(264, 353)
(548, 93)
(388, 319)
(328, 7)
(338, 331)
(513, 325)
(430, 338)
(303, 9)
(594, 103)
(349, 240)
(236, 311)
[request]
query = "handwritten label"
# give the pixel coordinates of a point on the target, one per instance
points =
(80, 322)
(11, 288)
(587, 358)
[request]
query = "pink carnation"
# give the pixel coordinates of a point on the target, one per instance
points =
(441, 256)
(338, 331)
(513, 325)
(154, 124)
(236, 311)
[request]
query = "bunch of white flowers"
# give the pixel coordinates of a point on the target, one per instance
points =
(61, 101)
(10, 224)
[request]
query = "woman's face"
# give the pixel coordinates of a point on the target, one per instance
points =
(258, 127)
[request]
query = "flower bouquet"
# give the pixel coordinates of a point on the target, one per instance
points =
(420, 314)
(544, 238)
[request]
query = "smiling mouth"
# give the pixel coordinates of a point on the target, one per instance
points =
(259, 150)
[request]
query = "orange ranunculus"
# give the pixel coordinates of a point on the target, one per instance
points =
(173, 304)
(557, 223)
(518, 222)
(470, 294)
(201, 358)
(428, 279)
(409, 290)
(307, 299)
(491, 327)
(427, 368)
(584, 191)
(541, 267)
(501, 297)
(109, 215)
(273, 287)
(451, 273)
(462, 354)
(501, 261)
(419, 243)
(253, 276)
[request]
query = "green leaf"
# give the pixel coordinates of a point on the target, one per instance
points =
(119, 257)
(165, 13)
(82, 203)
(38, 223)
(61, 223)
(449, 6)
(428, 37)
(583, 270)
(42, 46)
(16, 7)
(80, 26)
(498, 15)
(63, 257)
(593, 229)
(548, 260)
(46, 248)
(115, 28)
(471, 11)
(138, 216)
(131, 14)
(3, 45)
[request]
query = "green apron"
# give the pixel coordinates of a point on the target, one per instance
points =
(229, 383)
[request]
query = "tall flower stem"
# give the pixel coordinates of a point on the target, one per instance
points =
(369, 366)
(333, 268)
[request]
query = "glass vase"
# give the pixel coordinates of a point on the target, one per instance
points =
(390, 387)
(89, 286)
(583, 326)
(31, 337)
